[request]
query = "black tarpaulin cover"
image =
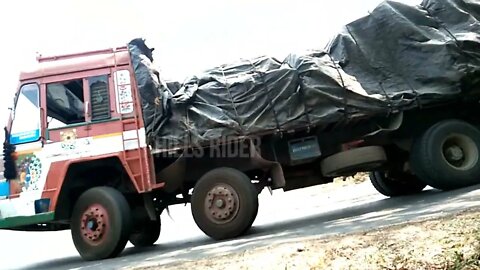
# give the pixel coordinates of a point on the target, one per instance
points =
(397, 58)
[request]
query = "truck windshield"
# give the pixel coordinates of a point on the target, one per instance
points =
(26, 116)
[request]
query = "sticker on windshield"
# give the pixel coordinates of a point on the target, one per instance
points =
(25, 136)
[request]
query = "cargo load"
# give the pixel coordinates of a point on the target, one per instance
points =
(397, 58)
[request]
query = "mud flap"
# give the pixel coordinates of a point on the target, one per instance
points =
(276, 171)
(173, 175)
(393, 123)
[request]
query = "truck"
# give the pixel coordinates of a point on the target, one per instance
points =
(98, 144)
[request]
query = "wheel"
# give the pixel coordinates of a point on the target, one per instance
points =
(447, 155)
(146, 233)
(224, 203)
(100, 223)
(395, 184)
(351, 161)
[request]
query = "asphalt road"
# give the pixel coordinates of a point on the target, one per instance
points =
(283, 217)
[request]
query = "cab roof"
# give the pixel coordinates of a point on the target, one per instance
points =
(69, 63)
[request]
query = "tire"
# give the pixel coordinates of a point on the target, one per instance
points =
(237, 204)
(351, 161)
(394, 185)
(100, 223)
(252, 218)
(447, 155)
(146, 234)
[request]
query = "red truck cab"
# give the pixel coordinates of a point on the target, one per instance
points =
(76, 125)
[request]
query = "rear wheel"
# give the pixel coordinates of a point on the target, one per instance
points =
(224, 203)
(100, 223)
(146, 232)
(395, 184)
(447, 156)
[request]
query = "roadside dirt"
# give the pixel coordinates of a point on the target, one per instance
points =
(452, 242)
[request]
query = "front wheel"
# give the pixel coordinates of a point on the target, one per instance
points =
(395, 184)
(100, 223)
(224, 203)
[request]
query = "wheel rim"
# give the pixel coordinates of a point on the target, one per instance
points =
(94, 224)
(222, 204)
(460, 152)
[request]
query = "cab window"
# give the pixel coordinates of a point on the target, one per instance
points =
(65, 103)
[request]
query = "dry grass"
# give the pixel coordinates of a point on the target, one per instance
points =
(452, 242)
(448, 243)
(355, 179)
